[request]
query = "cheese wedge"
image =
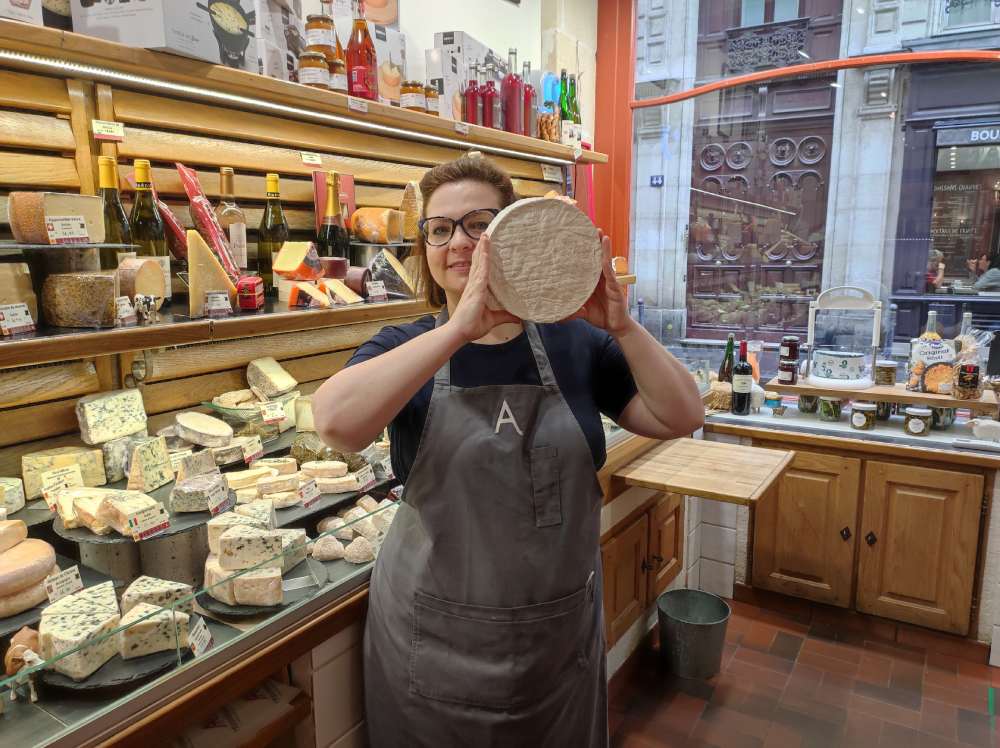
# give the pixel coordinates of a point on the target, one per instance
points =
(386, 268)
(205, 274)
(340, 293)
(298, 261)
(412, 206)
(308, 295)
(29, 212)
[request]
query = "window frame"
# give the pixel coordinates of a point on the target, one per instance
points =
(943, 29)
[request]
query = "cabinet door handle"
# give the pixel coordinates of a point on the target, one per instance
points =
(846, 533)
(645, 566)
(871, 538)
(658, 560)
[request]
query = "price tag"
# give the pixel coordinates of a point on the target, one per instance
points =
(67, 230)
(357, 105)
(221, 500)
(64, 477)
(551, 173)
(217, 304)
(297, 583)
(309, 493)
(15, 319)
(199, 637)
(110, 131)
(311, 159)
(253, 450)
(177, 458)
(365, 477)
(387, 468)
(376, 291)
(125, 314)
(148, 522)
(462, 128)
(66, 582)
(272, 411)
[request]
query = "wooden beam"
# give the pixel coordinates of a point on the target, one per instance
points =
(39, 132)
(43, 383)
(81, 96)
(36, 93)
(34, 171)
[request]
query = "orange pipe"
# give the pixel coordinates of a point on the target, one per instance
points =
(845, 63)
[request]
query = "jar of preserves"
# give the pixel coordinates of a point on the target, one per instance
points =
(968, 383)
(883, 411)
(432, 101)
(313, 70)
(320, 36)
(943, 418)
(918, 421)
(808, 403)
(412, 96)
(863, 416)
(885, 373)
(788, 371)
(830, 408)
(789, 347)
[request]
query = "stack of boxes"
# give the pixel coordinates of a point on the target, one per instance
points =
(448, 66)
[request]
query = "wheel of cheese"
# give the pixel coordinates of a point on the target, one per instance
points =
(26, 599)
(25, 564)
(137, 275)
(545, 259)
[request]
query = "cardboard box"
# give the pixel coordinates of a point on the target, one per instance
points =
(29, 11)
(447, 73)
(390, 51)
(289, 30)
(469, 50)
(382, 12)
(271, 60)
(182, 27)
(57, 15)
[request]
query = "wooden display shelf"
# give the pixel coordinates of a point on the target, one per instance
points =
(987, 405)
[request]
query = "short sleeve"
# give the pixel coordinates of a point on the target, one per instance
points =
(614, 386)
(388, 338)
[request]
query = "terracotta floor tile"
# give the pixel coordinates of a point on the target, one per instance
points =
(814, 708)
(633, 734)
(874, 669)
(740, 669)
(836, 650)
(896, 652)
(676, 711)
(862, 730)
(886, 712)
(896, 696)
(814, 732)
(932, 641)
(793, 624)
(760, 636)
(939, 719)
(829, 664)
(764, 660)
(780, 736)
(976, 671)
(896, 736)
(928, 740)
(735, 721)
(805, 679)
(975, 729)
(786, 646)
(944, 663)
(967, 700)
(722, 737)
(835, 690)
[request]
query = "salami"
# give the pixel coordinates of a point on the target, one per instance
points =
(206, 222)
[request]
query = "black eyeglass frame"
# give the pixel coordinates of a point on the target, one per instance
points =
(422, 225)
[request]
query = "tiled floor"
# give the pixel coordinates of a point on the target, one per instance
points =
(787, 685)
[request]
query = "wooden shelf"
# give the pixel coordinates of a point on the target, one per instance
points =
(159, 66)
(987, 405)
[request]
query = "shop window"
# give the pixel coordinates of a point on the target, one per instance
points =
(959, 15)
(756, 12)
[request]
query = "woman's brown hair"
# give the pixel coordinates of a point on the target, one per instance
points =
(472, 167)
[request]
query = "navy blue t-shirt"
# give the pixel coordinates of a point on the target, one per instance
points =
(589, 367)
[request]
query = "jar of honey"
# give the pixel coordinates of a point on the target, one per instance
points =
(321, 37)
(314, 70)
(412, 96)
(432, 101)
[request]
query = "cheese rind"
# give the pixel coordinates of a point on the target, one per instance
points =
(258, 587)
(11, 494)
(261, 510)
(249, 477)
(325, 469)
(277, 484)
(12, 532)
(29, 212)
(345, 484)
(378, 225)
(110, 415)
(149, 465)
(219, 524)
(193, 494)
(159, 592)
(24, 565)
(243, 547)
(361, 523)
(205, 273)
(218, 581)
(85, 635)
(117, 453)
(266, 376)
(26, 599)
(152, 629)
(337, 526)
(90, 460)
(141, 275)
(82, 299)
(327, 548)
(284, 465)
(359, 551)
(114, 511)
(203, 430)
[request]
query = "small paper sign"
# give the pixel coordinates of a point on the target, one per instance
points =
(272, 411)
(311, 159)
(66, 582)
(64, 477)
(387, 469)
(217, 304)
(309, 493)
(297, 583)
(110, 131)
(462, 128)
(221, 500)
(177, 458)
(365, 477)
(125, 315)
(253, 450)
(376, 291)
(148, 522)
(357, 105)
(15, 319)
(67, 230)
(199, 637)
(551, 173)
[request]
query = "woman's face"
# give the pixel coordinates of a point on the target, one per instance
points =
(450, 263)
(983, 264)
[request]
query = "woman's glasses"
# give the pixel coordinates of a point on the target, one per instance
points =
(438, 231)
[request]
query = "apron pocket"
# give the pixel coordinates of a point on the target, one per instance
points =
(497, 658)
(545, 491)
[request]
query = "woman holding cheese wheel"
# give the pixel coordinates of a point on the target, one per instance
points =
(485, 618)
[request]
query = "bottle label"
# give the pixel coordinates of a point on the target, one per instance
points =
(915, 426)
(319, 37)
(742, 383)
(314, 77)
(361, 80)
(338, 82)
(858, 420)
(238, 244)
(567, 133)
(785, 376)
(785, 351)
(413, 101)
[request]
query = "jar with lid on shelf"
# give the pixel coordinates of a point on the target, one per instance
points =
(314, 70)
(830, 408)
(863, 416)
(808, 403)
(788, 371)
(943, 418)
(884, 410)
(918, 421)
(789, 348)
(968, 382)
(885, 373)
(412, 96)
(432, 101)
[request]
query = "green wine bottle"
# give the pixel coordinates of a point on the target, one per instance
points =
(148, 231)
(333, 239)
(116, 228)
(272, 234)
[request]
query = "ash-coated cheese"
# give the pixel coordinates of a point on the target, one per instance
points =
(159, 592)
(11, 494)
(338, 485)
(219, 524)
(25, 564)
(149, 466)
(327, 548)
(284, 465)
(84, 299)
(277, 484)
(261, 510)
(152, 629)
(325, 469)
(90, 460)
(85, 635)
(117, 453)
(218, 581)
(244, 547)
(114, 511)
(249, 477)
(258, 587)
(293, 548)
(266, 377)
(203, 430)
(545, 259)
(193, 494)
(110, 415)
(359, 551)
(99, 598)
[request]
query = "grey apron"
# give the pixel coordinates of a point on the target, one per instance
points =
(485, 624)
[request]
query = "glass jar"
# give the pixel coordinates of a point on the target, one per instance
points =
(883, 411)
(808, 403)
(788, 371)
(968, 384)
(863, 416)
(412, 96)
(918, 421)
(313, 70)
(830, 408)
(789, 347)
(433, 101)
(320, 35)
(885, 373)
(943, 418)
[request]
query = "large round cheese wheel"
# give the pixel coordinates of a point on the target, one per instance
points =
(140, 275)
(25, 564)
(545, 259)
(26, 599)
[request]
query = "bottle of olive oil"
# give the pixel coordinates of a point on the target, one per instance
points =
(272, 234)
(147, 225)
(333, 239)
(116, 228)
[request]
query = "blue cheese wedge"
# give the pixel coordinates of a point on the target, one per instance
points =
(86, 637)
(293, 548)
(11, 494)
(159, 592)
(243, 547)
(100, 598)
(258, 587)
(152, 629)
(194, 494)
(261, 510)
(218, 581)
(149, 465)
(117, 453)
(110, 415)
(219, 524)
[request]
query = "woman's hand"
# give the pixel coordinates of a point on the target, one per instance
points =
(607, 307)
(473, 319)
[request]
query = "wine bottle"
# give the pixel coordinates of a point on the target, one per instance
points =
(530, 103)
(574, 110)
(272, 234)
(565, 113)
(491, 99)
(333, 239)
(231, 217)
(726, 367)
(362, 65)
(742, 383)
(148, 231)
(512, 93)
(931, 332)
(116, 228)
(473, 113)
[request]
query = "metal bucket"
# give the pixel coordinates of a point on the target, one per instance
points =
(692, 632)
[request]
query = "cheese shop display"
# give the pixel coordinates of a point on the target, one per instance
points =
(149, 465)
(11, 494)
(35, 217)
(195, 494)
(117, 453)
(148, 629)
(110, 415)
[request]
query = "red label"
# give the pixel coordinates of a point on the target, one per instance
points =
(362, 82)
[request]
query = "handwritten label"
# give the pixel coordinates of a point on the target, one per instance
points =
(311, 159)
(253, 450)
(217, 304)
(199, 637)
(357, 105)
(309, 493)
(177, 458)
(387, 469)
(272, 411)
(15, 319)
(67, 230)
(462, 128)
(64, 477)
(110, 131)
(148, 522)
(66, 582)
(376, 291)
(365, 477)
(551, 173)
(221, 500)
(125, 315)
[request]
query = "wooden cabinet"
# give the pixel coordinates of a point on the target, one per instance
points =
(623, 561)
(918, 538)
(666, 544)
(805, 530)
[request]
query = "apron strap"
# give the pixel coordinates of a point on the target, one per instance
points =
(545, 374)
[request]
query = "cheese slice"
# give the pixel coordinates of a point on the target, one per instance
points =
(29, 212)
(152, 629)
(325, 468)
(193, 494)
(12, 532)
(11, 494)
(142, 275)
(218, 581)
(248, 478)
(110, 415)
(277, 484)
(244, 547)
(307, 295)
(266, 376)
(340, 293)
(203, 430)
(159, 592)
(205, 274)
(246, 495)
(298, 261)
(85, 636)
(222, 522)
(24, 565)
(199, 463)
(16, 288)
(284, 465)
(149, 466)
(345, 484)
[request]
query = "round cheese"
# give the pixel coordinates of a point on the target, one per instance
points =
(203, 430)
(24, 565)
(325, 469)
(359, 551)
(545, 259)
(12, 532)
(327, 548)
(139, 275)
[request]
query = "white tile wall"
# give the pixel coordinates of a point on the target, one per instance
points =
(718, 513)
(694, 576)
(692, 512)
(693, 549)
(742, 543)
(718, 543)
(989, 605)
(717, 578)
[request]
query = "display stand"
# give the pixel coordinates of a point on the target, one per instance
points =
(985, 405)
